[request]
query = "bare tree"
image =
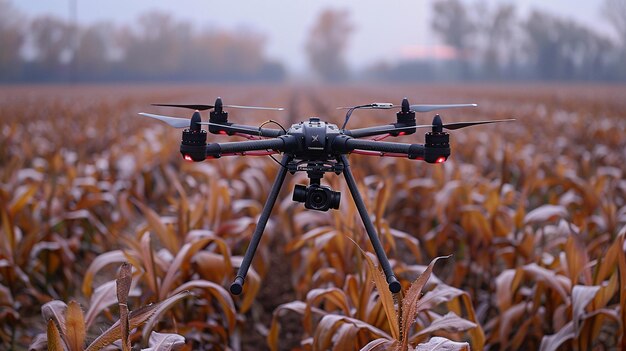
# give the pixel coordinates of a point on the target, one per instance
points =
(615, 11)
(452, 21)
(564, 50)
(327, 43)
(94, 51)
(11, 40)
(51, 37)
(156, 49)
(497, 28)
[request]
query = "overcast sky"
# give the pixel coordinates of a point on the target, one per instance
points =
(383, 30)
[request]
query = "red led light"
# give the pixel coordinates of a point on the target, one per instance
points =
(401, 133)
(187, 158)
(223, 132)
(441, 160)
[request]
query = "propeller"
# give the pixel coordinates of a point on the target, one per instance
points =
(178, 122)
(404, 106)
(218, 106)
(208, 107)
(459, 125)
(416, 108)
(428, 108)
(175, 122)
(450, 126)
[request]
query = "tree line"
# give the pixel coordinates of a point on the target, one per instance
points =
(486, 41)
(493, 42)
(157, 48)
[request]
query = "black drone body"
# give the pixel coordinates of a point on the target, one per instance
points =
(316, 147)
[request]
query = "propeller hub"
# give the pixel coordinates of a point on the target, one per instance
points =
(405, 105)
(219, 106)
(194, 125)
(437, 124)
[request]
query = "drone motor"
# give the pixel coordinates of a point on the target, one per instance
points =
(437, 146)
(193, 144)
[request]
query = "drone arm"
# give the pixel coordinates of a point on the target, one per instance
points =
(263, 132)
(348, 144)
(233, 129)
(370, 131)
(282, 143)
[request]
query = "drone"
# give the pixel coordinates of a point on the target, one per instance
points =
(316, 147)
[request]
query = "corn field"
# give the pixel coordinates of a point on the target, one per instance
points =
(110, 240)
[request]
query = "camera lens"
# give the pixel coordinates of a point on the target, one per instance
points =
(318, 198)
(299, 193)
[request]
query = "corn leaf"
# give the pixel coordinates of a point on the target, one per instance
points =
(294, 306)
(381, 345)
(54, 338)
(165, 342)
(442, 344)
(449, 322)
(218, 292)
(411, 299)
(74, 327)
(160, 309)
(55, 311)
(384, 293)
(440, 294)
(103, 297)
(165, 235)
(103, 260)
(552, 342)
(581, 296)
(330, 323)
(135, 319)
(545, 213)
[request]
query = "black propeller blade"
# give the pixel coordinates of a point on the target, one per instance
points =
(450, 126)
(459, 125)
(209, 107)
(191, 107)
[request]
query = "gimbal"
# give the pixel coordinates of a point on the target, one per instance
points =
(317, 147)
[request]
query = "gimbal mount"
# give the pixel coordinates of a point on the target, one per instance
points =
(316, 147)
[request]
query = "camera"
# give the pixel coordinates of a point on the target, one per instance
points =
(317, 197)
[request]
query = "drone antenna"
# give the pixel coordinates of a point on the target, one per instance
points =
(348, 114)
(351, 109)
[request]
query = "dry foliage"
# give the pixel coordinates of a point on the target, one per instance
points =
(533, 214)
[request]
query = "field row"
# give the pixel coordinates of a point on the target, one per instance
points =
(531, 216)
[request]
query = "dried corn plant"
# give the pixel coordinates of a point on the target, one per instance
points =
(68, 326)
(534, 214)
(358, 316)
(70, 211)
